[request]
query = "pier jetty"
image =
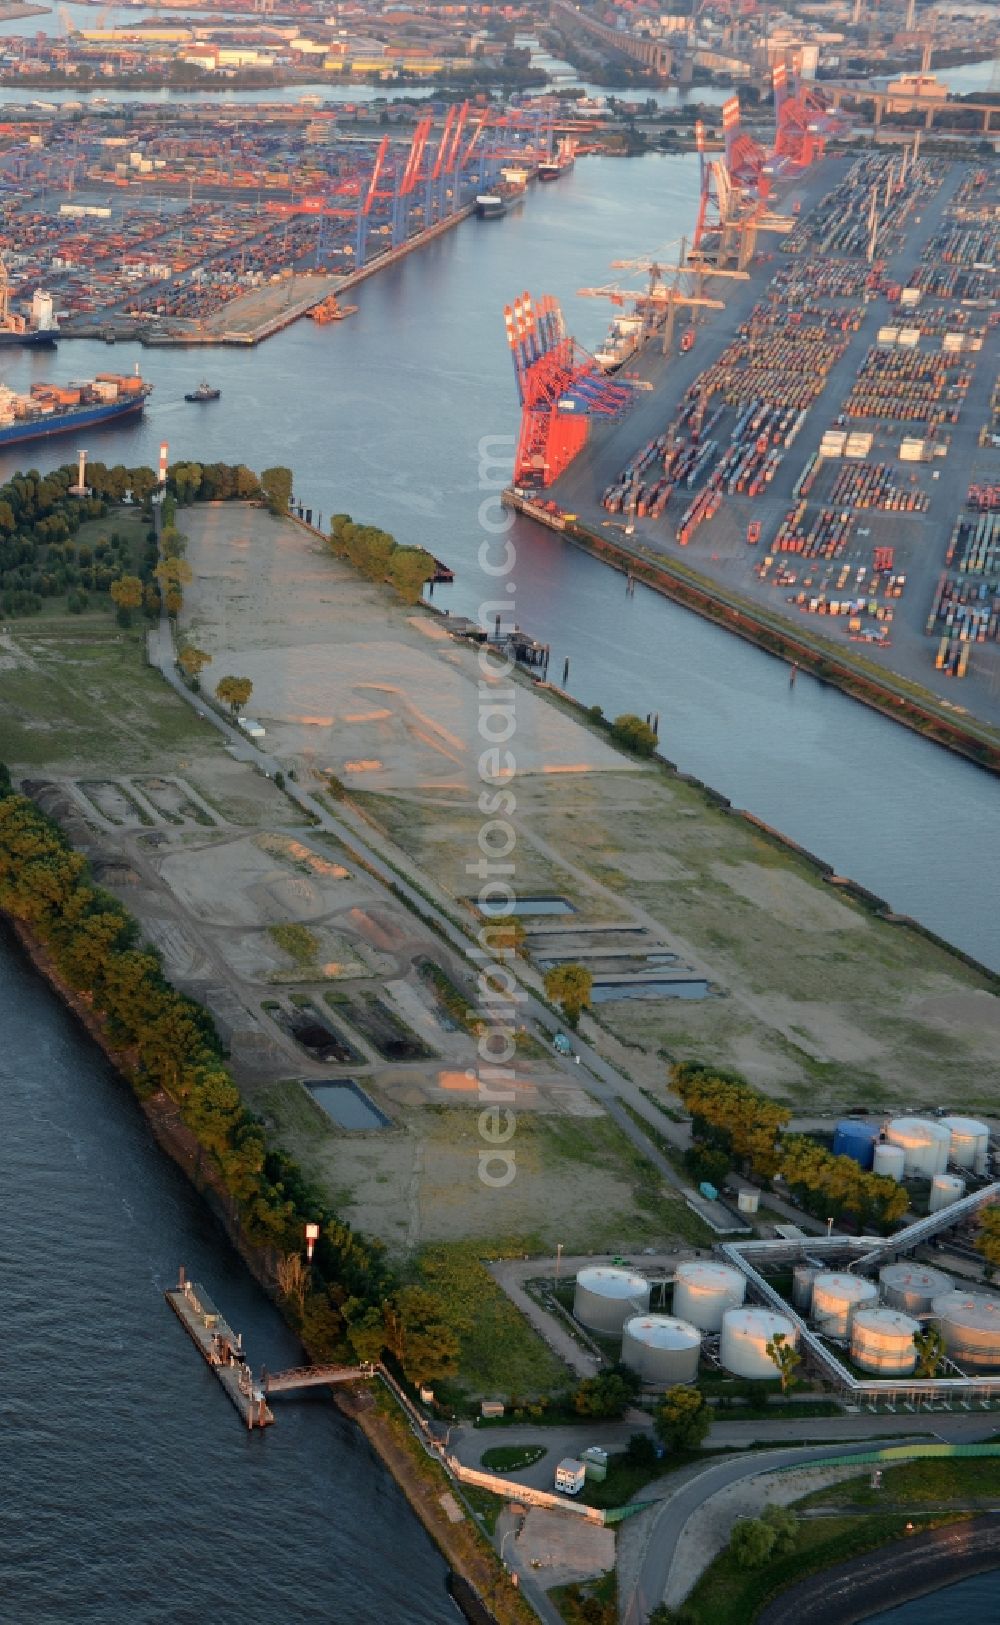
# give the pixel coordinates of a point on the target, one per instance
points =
(221, 1347)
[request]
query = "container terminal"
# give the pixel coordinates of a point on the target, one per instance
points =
(826, 447)
(222, 225)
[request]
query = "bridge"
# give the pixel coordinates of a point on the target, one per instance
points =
(888, 102)
(312, 1376)
(640, 48)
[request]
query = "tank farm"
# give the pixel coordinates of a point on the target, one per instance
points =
(853, 1308)
(830, 446)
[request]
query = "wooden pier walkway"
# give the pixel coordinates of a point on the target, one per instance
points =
(312, 1376)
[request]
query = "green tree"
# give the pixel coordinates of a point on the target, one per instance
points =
(419, 1336)
(505, 934)
(173, 572)
(786, 1358)
(570, 987)
(682, 1419)
(234, 692)
(126, 593)
(276, 484)
(635, 734)
(751, 1543)
(988, 1240)
(784, 1526)
(193, 661)
(608, 1395)
(930, 1348)
(409, 568)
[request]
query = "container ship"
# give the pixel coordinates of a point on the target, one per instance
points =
(563, 159)
(39, 331)
(51, 409)
(494, 205)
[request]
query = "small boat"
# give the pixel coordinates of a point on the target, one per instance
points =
(330, 310)
(204, 392)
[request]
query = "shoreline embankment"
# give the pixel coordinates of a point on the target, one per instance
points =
(899, 1572)
(470, 1567)
(966, 737)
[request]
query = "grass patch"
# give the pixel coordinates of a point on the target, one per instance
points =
(655, 1212)
(512, 1458)
(89, 702)
(486, 1507)
(626, 1478)
(727, 1592)
(297, 941)
(931, 1479)
(595, 1602)
(500, 1354)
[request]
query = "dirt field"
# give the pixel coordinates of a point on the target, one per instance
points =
(808, 994)
(315, 972)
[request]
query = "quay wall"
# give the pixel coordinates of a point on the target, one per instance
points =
(870, 686)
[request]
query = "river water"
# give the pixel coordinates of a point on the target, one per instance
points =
(132, 1490)
(138, 1495)
(383, 416)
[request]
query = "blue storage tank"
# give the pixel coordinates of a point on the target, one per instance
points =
(852, 1138)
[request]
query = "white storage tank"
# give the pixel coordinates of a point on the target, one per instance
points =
(912, 1287)
(889, 1161)
(836, 1298)
(970, 1142)
(925, 1144)
(745, 1336)
(661, 1349)
(748, 1201)
(606, 1297)
(882, 1341)
(970, 1326)
(945, 1189)
(803, 1276)
(704, 1291)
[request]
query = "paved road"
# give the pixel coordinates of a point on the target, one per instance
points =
(393, 868)
(665, 1528)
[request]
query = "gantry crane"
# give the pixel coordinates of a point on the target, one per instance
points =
(560, 387)
(661, 300)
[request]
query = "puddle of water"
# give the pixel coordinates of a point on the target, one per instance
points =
(347, 1105)
(604, 992)
(542, 905)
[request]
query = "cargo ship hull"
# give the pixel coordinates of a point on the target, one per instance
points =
(55, 423)
(32, 338)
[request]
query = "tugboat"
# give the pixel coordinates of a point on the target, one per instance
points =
(204, 392)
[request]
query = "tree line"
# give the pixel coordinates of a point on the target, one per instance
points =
(40, 557)
(740, 1125)
(347, 1303)
(378, 555)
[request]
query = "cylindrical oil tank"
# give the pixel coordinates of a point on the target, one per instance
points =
(970, 1141)
(606, 1297)
(803, 1276)
(882, 1341)
(925, 1144)
(854, 1139)
(745, 1336)
(836, 1298)
(748, 1201)
(889, 1160)
(704, 1291)
(945, 1189)
(912, 1287)
(661, 1349)
(970, 1326)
